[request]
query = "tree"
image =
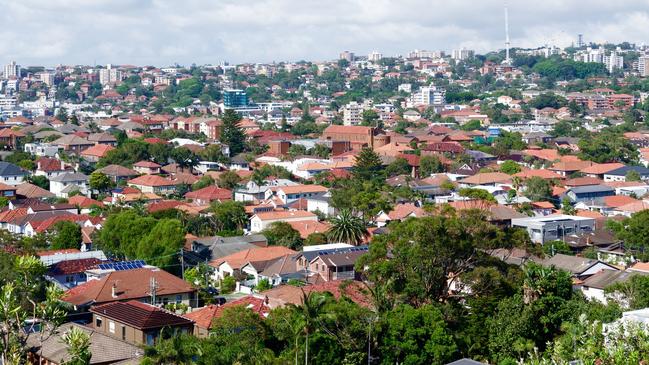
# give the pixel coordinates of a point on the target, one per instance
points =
(538, 189)
(399, 166)
(477, 193)
(632, 175)
(510, 167)
(66, 234)
(347, 228)
(315, 238)
(283, 234)
(99, 181)
(608, 146)
(40, 181)
(420, 257)
(185, 158)
(263, 285)
(78, 343)
(371, 118)
(162, 245)
(566, 206)
(471, 125)
(181, 349)
(309, 311)
(231, 134)
(230, 215)
(367, 164)
(429, 165)
(416, 336)
(229, 180)
(547, 100)
(204, 182)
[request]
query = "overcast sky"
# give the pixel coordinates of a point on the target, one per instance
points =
(163, 32)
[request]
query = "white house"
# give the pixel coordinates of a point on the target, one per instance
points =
(262, 220)
(11, 174)
(67, 183)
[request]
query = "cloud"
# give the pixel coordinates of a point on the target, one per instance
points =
(163, 32)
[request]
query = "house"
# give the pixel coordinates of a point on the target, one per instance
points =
(118, 173)
(11, 174)
(137, 323)
(398, 213)
(620, 173)
(105, 139)
(205, 249)
(69, 182)
(147, 167)
(291, 193)
(569, 165)
(11, 138)
(231, 265)
(209, 194)
(131, 285)
(598, 170)
(51, 167)
(96, 152)
(307, 228)
(70, 273)
(262, 220)
(554, 227)
(283, 295)
(204, 317)
(30, 191)
(276, 271)
(486, 179)
(153, 184)
(73, 144)
(8, 191)
(355, 136)
(336, 265)
(466, 362)
(593, 287)
(580, 267)
(589, 193)
(105, 349)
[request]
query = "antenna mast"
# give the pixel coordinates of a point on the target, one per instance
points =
(507, 44)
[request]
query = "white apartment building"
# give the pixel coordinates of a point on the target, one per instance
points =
(428, 95)
(643, 66)
(462, 54)
(353, 113)
(425, 54)
(11, 70)
(375, 56)
(109, 75)
(614, 61)
(47, 78)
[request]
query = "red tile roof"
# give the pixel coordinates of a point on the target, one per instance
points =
(151, 180)
(205, 316)
(140, 315)
(98, 150)
(69, 267)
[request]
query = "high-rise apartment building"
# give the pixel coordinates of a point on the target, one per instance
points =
(110, 75)
(347, 55)
(11, 70)
(234, 98)
(614, 61)
(462, 54)
(643, 66)
(375, 56)
(428, 95)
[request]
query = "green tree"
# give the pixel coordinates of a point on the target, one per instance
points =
(65, 234)
(100, 182)
(510, 167)
(608, 146)
(477, 193)
(204, 182)
(416, 336)
(399, 166)
(367, 164)
(471, 125)
(283, 234)
(229, 180)
(347, 228)
(429, 165)
(40, 181)
(632, 175)
(230, 215)
(228, 284)
(184, 158)
(263, 285)
(231, 134)
(566, 206)
(315, 238)
(538, 189)
(78, 343)
(181, 349)
(162, 245)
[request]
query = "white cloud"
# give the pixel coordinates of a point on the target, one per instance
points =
(162, 32)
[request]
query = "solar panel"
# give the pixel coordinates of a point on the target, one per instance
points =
(122, 266)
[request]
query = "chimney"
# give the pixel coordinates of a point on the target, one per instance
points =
(114, 290)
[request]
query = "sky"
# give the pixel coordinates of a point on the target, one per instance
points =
(166, 32)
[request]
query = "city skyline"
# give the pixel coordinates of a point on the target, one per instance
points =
(38, 32)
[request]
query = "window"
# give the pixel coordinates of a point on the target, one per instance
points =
(111, 327)
(323, 268)
(123, 332)
(98, 322)
(69, 279)
(179, 298)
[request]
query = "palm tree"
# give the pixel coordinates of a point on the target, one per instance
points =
(347, 227)
(309, 312)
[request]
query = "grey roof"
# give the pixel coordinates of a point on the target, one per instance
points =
(117, 170)
(70, 177)
(592, 189)
(71, 128)
(310, 255)
(45, 134)
(622, 171)
(9, 169)
(215, 247)
(606, 278)
(104, 349)
(465, 362)
(573, 264)
(72, 139)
